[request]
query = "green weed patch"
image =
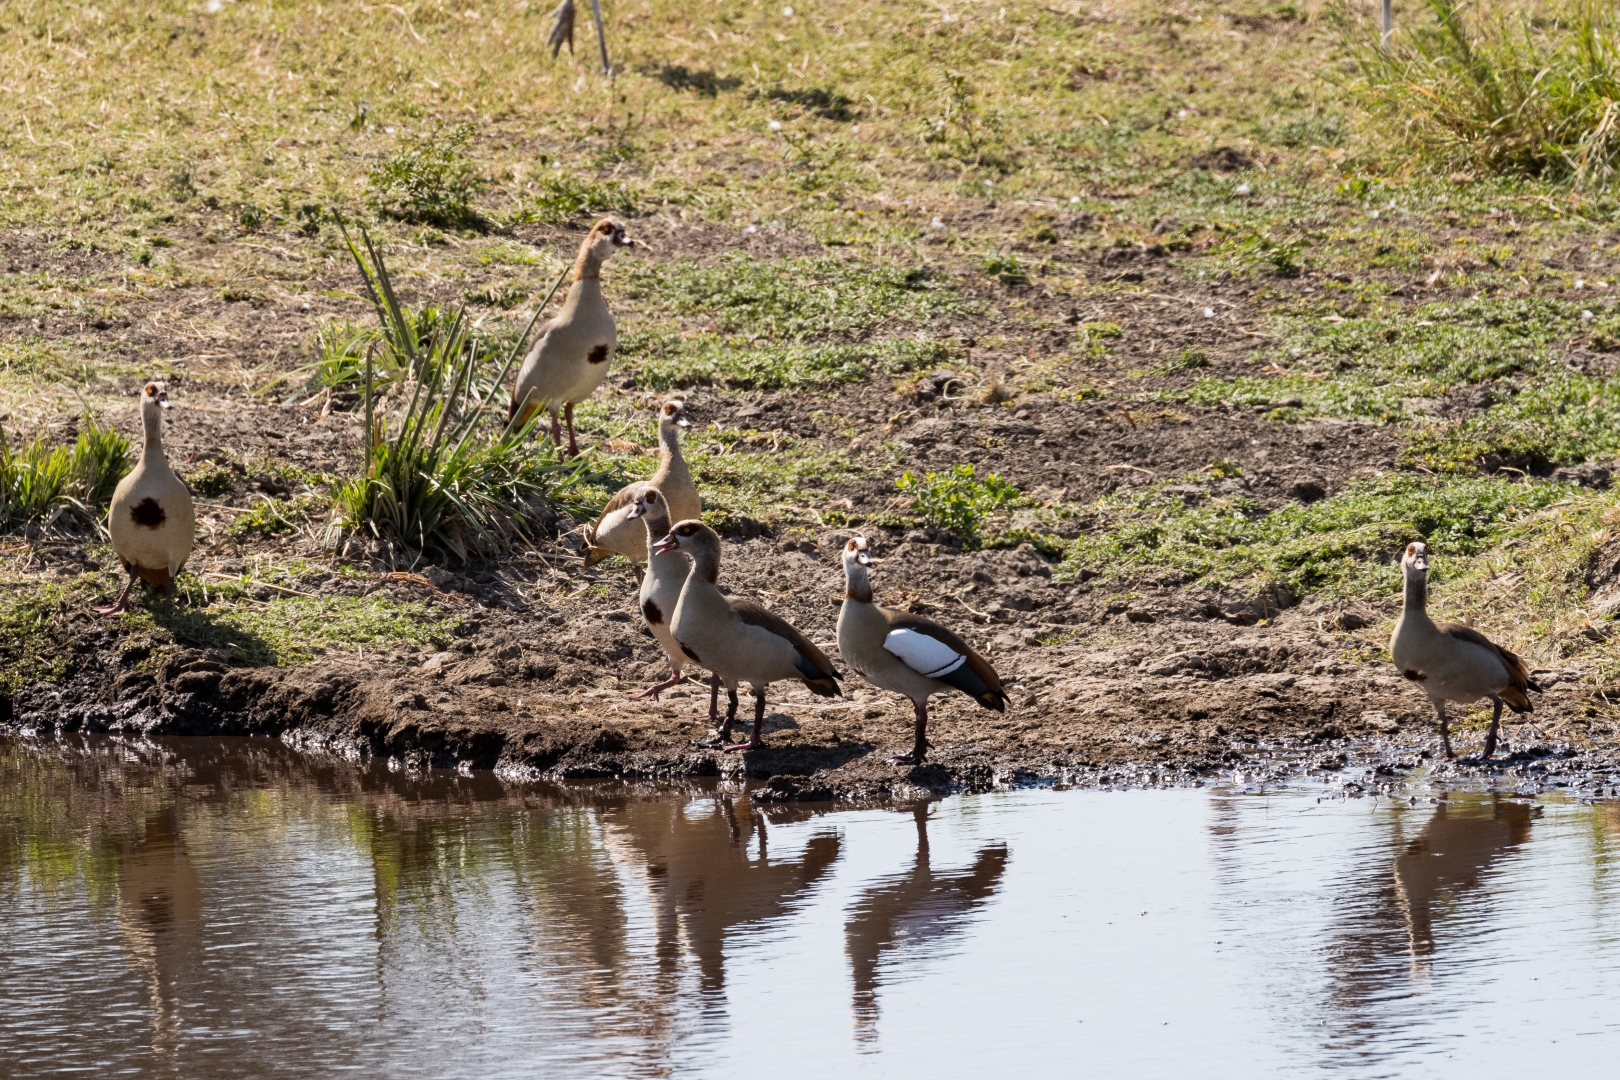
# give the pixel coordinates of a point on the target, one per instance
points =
(1343, 545)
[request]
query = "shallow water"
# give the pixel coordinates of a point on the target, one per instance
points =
(230, 907)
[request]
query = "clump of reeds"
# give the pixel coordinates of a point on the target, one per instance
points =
(40, 483)
(1532, 91)
(444, 474)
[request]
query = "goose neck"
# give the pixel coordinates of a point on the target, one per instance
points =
(1417, 592)
(858, 584)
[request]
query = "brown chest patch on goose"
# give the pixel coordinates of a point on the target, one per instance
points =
(148, 514)
(688, 650)
(598, 355)
(650, 612)
(1415, 676)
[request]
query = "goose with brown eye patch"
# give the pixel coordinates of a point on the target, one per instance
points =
(737, 639)
(152, 521)
(571, 357)
(661, 591)
(907, 653)
(616, 532)
(1452, 661)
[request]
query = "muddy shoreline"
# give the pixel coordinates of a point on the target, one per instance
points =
(540, 691)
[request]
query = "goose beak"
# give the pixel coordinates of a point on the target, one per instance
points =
(668, 543)
(163, 402)
(636, 510)
(622, 239)
(863, 558)
(1420, 563)
(682, 421)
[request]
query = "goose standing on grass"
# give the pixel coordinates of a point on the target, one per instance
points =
(907, 653)
(617, 532)
(571, 357)
(738, 640)
(1453, 662)
(661, 591)
(152, 520)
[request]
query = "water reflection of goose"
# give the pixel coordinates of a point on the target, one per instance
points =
(709, 872)
(912, 912)
(1450, 857)
(160, 916)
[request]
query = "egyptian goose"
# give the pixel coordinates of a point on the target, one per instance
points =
(737, 639)
(661, 591)
(1451, 661)
(152, 520)
(571, 357)
(616, 532)
(907, 653)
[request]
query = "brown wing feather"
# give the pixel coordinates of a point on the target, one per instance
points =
(910, 620)
(755, 615)
(1517, 672)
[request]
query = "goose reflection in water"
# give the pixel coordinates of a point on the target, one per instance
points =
(1384, 952)
(911, 913)
(708, 871)
(160, 919)
(1449, 857)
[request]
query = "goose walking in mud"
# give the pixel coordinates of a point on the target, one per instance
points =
(1453, 662)
(907, 653)
(738, 640)
(572, 355)
(152, 521)
(661, 591)
(617, 532)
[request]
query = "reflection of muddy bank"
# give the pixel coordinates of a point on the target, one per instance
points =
(910, 915)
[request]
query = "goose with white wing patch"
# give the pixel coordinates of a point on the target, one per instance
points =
(907, 653)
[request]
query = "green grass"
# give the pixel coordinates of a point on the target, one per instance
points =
(1529, 92)
(429, 181)
(670, 361)
(1344, 545)
(957, 500)
(291, 630)
(790, 299)
(41, 483)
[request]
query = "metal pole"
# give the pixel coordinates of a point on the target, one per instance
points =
(1389, 27)
(601, 38)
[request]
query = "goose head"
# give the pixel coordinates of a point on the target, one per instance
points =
(673, 414)
(154, 399)
(607, 237)
(691, 537)
(857, 553)
(650, 504)
(1415, 563)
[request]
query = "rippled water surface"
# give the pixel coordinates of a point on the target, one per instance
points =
(232, 908)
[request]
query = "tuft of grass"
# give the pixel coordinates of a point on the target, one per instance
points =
(429, 181)
(1007, 269)
(1343, 545)
(43, 483)
(1518, 91)
(957, 501)
(434, 480)
(560, 196)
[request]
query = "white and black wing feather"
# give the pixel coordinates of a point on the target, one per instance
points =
(926, 655)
